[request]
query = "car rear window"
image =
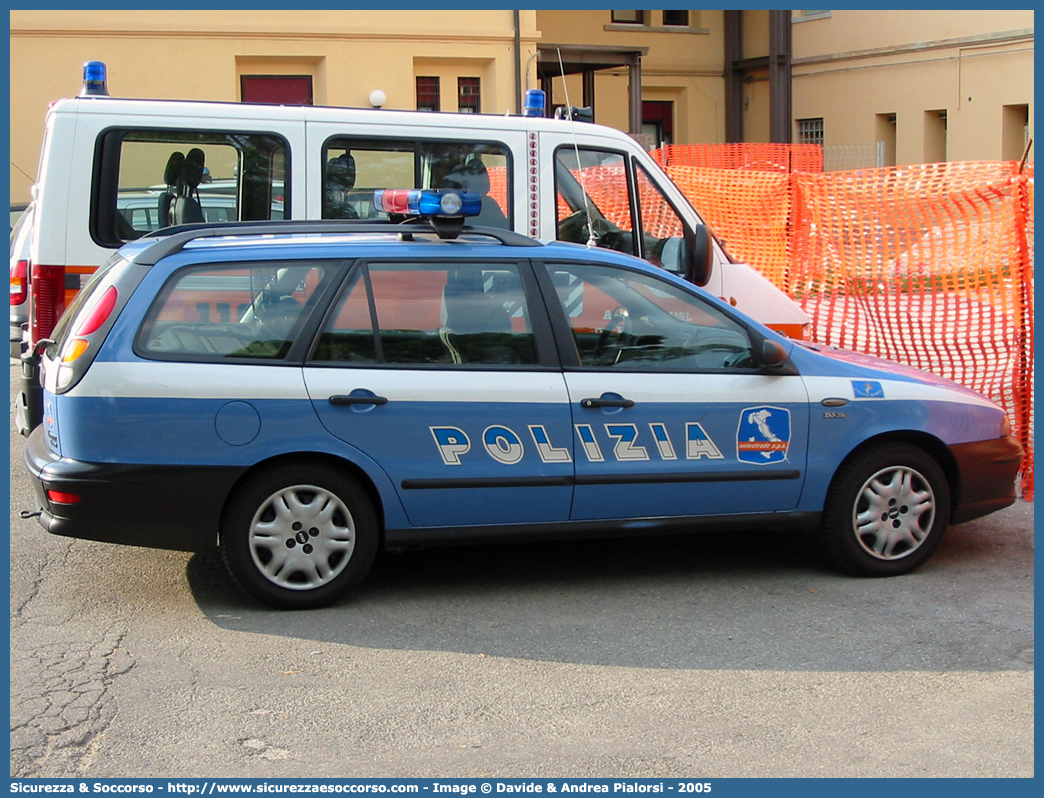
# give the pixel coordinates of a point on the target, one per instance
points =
(228, 311)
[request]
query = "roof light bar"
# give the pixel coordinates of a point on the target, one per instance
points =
(428, 201)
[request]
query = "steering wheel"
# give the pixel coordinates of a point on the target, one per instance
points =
(574, 228)
(619, 324)
(741, 359)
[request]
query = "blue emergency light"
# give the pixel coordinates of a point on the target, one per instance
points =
(94, 80)
(536, 101)
(428, 201)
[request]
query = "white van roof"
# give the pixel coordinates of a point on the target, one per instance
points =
(194, 109)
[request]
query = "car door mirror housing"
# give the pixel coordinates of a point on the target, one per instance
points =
(773, 353)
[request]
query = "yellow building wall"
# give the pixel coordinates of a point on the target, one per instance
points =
(855, 67)
(201, 55)
(852, 68)
(683, 66)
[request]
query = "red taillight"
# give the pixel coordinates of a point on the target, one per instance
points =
(60, 497)
(19, 282)
(48, 300)
(99, 313)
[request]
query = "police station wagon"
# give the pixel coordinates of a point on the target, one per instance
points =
(304, 394)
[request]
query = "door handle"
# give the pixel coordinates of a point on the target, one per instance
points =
(606, 402)
(358, 399)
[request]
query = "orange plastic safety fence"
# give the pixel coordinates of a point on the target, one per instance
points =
(930, 264)
(757, 157)
(749, 212)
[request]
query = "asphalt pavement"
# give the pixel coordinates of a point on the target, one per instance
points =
(707, 656)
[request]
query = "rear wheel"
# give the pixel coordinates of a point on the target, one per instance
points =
(886, 511)
(299, 536)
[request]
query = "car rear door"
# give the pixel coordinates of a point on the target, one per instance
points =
(443, 373)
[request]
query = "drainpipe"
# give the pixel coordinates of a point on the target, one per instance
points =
(518, 64)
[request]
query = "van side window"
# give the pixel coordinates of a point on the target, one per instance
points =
(631, 216)
(149, 179)
(594, 185)
(354, 167)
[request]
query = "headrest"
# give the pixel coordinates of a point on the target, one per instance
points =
(192, 172)
(340, 172)
(173, 171)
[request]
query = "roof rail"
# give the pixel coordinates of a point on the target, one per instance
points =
(170, 240)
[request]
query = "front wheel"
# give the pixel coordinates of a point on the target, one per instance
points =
(886, 511)
(299, 536)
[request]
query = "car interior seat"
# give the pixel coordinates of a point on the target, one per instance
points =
(340, 180)
(171, 175)
(476, 325)
(186, 208)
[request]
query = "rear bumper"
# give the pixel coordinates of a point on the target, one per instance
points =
(987, 477)
(162, 507)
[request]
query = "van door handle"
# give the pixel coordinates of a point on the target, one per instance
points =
(358, 399)
(606, 402)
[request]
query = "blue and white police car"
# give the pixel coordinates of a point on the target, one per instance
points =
(304, 394)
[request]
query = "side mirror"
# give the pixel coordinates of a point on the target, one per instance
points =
(772, 353)
(699, 255)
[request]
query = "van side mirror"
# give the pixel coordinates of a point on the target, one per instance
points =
(699, 255)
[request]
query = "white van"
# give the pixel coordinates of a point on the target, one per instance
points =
(269, 161)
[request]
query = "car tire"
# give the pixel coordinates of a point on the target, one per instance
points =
(886, 512)
(299, 536)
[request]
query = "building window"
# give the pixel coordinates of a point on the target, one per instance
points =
(468, 95)
(886, 132)
(934, 136)
(628, 17)
(658, 121)
(276, 89)
(680, 18)
(427, 94)
(1014, 131)
(810, 131)
(806, 16)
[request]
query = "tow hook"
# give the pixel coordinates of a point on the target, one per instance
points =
(28, 514)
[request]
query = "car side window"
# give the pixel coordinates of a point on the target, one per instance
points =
(230, 311)
(626, 320)
(424, 314)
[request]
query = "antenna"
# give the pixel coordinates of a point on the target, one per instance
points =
(592, 239)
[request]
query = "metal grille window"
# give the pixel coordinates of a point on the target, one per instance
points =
(427, 94)
(468, 95)
(810, 131)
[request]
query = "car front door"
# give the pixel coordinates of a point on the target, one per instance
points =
(672, 413)
(439, 372)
